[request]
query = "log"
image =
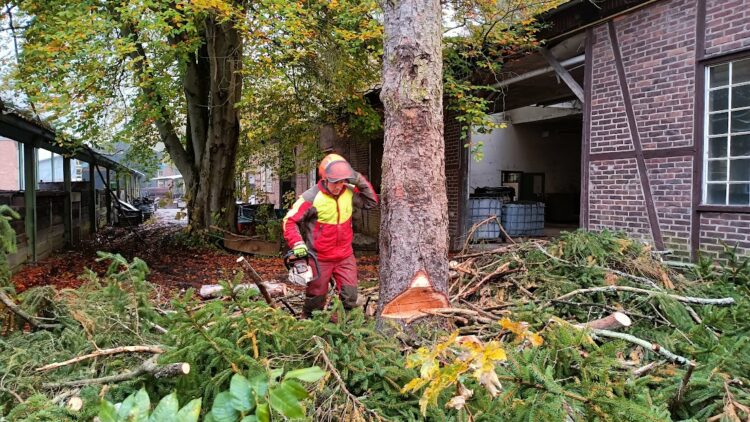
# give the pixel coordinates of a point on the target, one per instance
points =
(614, 321)
(75, 404)
(208, 291)
(103, 352)
(148, 367)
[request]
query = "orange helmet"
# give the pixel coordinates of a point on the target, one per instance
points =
(335, 168)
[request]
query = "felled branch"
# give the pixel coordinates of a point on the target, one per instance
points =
(614, 321)
(645, 344)
(502, 269)
(148, 367)
(208, 291)
(457, 312)
(103, 352)
(321, 347)
(33, 322)
(257, 280)
(686, 299)
(650, 282)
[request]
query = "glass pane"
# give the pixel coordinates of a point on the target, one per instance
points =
(741, 71)
(739, 194)
(739, 170)
(719, 75)
(716, 194)
(741, 121)
(717, 123)
(740, 145)
(740, 96)
(717, 170)
(719, 99)
(717, 147)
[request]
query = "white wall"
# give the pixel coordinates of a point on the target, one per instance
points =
(552, 148)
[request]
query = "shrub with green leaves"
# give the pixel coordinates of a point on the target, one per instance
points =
(137, 407)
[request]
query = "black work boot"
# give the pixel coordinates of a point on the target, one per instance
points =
(312, 303)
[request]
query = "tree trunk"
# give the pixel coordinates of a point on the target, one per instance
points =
(212, 195)
(414, 216)
(207, 159)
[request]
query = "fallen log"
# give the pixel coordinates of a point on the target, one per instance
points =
(685, 299)
(148, 367)
(209, 291)
(103, 352)
(614, 321)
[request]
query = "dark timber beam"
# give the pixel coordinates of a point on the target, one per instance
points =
(563, 74)
(109, 198)
(92, 198)
(653, 218)
(29, 180)
(698, 109)
(68, 204)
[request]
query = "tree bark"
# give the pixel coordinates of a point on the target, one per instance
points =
(414, 216)
(214, 190)
(212, 86)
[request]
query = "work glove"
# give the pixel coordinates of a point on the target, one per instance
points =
(356, 180)
(300, 250)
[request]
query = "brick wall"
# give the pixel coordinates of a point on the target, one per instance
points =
(720, 228)
(455, 177)
(616, 199)
(657, 45)
(609, 124)
(8, 164)
(671, 188)
(658, 53)
(727, 25)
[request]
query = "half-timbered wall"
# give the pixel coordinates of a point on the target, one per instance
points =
(643, 152)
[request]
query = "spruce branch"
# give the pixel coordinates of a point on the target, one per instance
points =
(103, 352)
(148, 367)
(643, 343)
(33, 322)
(685, 299)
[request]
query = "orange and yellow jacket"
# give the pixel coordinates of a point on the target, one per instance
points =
(325, 221)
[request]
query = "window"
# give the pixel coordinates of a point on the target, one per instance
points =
(727, 134)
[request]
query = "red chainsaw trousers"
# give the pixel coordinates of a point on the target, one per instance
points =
(344, 272)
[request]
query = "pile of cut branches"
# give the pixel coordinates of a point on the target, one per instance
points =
(615, 318)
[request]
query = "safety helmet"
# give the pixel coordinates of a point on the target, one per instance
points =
(335, 168)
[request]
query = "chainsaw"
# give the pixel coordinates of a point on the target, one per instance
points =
(300, 271)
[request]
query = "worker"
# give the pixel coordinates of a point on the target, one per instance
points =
(321, 221)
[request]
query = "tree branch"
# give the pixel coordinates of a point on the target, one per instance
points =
(103, 352)
(643, 343)
(8, 302)
(148, 367)
(685, 299)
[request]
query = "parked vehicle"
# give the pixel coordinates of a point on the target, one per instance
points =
(147, 206)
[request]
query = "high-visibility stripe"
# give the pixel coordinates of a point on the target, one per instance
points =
(331, 213)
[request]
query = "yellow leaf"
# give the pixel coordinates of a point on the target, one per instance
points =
(414, 385)
(536, 339)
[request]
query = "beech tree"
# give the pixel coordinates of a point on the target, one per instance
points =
(211, 79)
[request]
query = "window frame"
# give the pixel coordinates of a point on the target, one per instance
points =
(706, 136)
